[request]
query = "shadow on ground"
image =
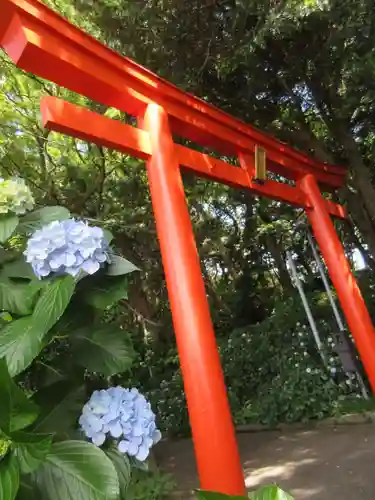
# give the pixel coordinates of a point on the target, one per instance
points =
(318, 464)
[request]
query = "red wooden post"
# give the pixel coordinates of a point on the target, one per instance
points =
(350, 297)
(217, 456)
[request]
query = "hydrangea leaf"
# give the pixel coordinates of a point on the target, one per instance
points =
(137, 464)
(18, 269)
(17, 298)
(5, 397)
(106, 350)
(52, 303)
(7, 227)
(59, 403)
(17, 411)
(9, 478)
(30, 450)
(77, 470)
(27, 489)
(123, 468)
(20, 343)
(108, 236)
(6, 255)
(38, 218)
(24, 410)
(107, 293)
(120, 266)
(271, 492)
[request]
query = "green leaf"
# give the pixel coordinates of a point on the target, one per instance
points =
(17, 411)
(27, 489)
(7, 227)
(30, 450)
(107, 293)
(24, 410)
(60, 405)
(113, 113)
(75, 470)
(106, 350)
(50, 374)
(271, 492)
(52, 303)
(5, 397)
(9, 478)
(137, 464)
(212, 495)
(120, 266)
(18, 269)
(6, 255)
(20, 343)
(108, 236)
(123, 469)
(42, 216)
(17, 298)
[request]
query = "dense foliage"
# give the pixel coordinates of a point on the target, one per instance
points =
(58, 277)
(301, 70)
(273, 372)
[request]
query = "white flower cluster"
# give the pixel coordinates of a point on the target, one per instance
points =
(15, 196)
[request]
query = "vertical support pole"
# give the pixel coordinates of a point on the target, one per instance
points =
(350, 297)
(323, 276)
(306, 306)
(216, 450)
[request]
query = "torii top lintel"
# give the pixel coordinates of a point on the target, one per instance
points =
(41, 41)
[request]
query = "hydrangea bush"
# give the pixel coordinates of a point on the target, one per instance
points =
(59, 279)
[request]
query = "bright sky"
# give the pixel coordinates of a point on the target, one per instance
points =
(359, 262)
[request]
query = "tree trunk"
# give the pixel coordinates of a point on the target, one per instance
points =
(143, 312)
(349, 229)
(361, 178)
(361, 219)
(276, 251)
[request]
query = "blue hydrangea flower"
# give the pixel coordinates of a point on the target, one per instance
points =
(66, 247)
(123, 415)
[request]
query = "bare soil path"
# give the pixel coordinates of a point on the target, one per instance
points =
(318, 464)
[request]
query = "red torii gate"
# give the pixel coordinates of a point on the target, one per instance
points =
(42, 42)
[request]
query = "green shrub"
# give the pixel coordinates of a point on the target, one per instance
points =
(58, 344)
(273, 372)
(150, 485)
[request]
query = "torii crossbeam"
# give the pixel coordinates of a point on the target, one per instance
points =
(42, 42)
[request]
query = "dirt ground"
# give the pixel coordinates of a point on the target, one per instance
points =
(318, 464)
